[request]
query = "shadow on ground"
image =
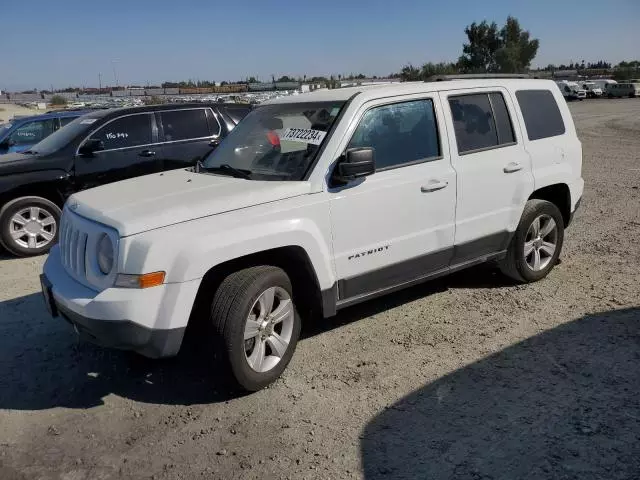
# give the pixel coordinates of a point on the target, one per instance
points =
(564, 404)
(42, 364)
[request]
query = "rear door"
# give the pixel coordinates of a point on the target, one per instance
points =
(493, 170)
(186, 135)
(130, 150)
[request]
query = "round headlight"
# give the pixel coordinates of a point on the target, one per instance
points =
(105, 254)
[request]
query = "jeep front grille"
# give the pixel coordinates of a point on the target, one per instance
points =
(73, 248)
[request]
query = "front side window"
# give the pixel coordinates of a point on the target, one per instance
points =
(186, 125)
(275, 142)
(481, 121)
(542, 117)
(128, 131)
(32, 132)
(400, 133)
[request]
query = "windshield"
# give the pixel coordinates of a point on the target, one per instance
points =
(275, 142)
(63, 136)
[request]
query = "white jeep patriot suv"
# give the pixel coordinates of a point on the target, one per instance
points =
(316, 202)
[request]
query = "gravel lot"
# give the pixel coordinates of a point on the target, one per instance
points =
(464, 378)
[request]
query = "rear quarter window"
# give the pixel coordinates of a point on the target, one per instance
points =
(542, 117)
(237, 113)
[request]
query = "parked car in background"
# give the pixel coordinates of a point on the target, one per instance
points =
(619, 90)
(21, 133)
(314, 203)
(101, 147)
(602, 83)
(571, 90)
(592, 89)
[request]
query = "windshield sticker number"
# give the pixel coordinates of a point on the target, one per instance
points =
(303, 135)
(88, 121)
(113, 136)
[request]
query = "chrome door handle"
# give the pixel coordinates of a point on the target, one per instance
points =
(147, 153)
(433, 186)
(512, 167)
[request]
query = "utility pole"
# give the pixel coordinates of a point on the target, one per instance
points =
(99, 83)
(115, 75)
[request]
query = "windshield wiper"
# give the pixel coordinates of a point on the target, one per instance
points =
(227, 169)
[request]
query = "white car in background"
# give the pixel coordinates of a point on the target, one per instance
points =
(571, 90)
(592, 89)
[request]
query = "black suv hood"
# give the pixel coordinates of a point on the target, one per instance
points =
(16, 163)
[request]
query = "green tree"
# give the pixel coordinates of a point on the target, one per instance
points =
(58, 101)
(517, 49)
(479, 54)
(508, 50)
(431, 69)
(409, 73)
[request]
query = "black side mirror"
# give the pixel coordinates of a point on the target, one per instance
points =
(91, 146)
(5, 145)
(214, 142)
(355, 163)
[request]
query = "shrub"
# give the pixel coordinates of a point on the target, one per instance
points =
(58, 101)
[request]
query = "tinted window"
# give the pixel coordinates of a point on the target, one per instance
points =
(66, 120)
(502, 119)
(33, 132)
(399, 133)
(541, 114)
(237, 112)
(185, 124)
(128, 131)
(473, 122)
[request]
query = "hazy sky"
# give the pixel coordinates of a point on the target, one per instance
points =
(69, 42)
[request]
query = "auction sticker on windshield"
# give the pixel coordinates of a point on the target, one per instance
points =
(304, 135)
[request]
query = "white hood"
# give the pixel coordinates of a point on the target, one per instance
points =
(153, 201)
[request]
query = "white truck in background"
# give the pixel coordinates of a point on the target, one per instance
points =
(593, 89)
(571, 90)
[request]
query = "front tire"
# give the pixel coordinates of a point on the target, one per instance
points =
(255, 325)
(29, 226)
(536, 245)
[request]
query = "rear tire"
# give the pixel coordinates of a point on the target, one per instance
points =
(255, 325)
(29, 226)
(536, 244)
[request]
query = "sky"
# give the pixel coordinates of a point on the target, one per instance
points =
(62, 43)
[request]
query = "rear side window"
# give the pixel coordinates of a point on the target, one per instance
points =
(129, 131)
(237, 113)
(400, 133)
(66, 120)
(481, 121)
(542, 117)
(185, 124)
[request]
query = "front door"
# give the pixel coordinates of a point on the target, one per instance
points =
(494, 170)
(130, 150)
(396, 225)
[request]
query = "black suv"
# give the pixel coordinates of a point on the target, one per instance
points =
(101, 147)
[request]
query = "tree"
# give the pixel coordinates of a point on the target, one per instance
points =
(479, 55)
(285, 78)
(58, 101)
(431, 69)
(516, 50)
(508, 50)
(409, 73)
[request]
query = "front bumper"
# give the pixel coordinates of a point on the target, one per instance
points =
(151, 322)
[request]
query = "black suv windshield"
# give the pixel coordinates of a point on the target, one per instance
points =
(275, 142)
(62, 137)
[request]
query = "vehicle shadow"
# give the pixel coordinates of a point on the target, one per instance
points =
(564, 404)
(44, 365)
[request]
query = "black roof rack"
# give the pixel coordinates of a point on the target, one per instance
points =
(472, 76)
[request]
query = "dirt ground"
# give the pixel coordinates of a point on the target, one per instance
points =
(469, 377)
(8, 110)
